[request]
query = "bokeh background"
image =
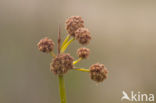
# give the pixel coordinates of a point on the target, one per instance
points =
(123, 38)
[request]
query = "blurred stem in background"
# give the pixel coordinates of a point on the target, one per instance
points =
(62, 89)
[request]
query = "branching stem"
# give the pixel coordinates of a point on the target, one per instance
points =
(66, 45)
(65, 40)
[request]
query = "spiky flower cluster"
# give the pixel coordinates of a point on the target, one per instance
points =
(45, 45)
(73, 23)
(98, 72)
(83, 52)
(75, 28)
(63, 62)
(82, 35)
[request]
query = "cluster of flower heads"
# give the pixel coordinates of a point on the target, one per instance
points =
(75, 28)
(63, 62)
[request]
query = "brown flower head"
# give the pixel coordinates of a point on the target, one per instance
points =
(83, 36)
(45, 45)
(83, 53)
(98, 72)
(73, 23)
(61, 64)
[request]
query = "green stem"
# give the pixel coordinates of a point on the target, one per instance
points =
(65, 40)
(66, 45)
(62, 89)
(76, 61)
(82, 69)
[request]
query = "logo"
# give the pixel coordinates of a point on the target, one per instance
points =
(137, 96)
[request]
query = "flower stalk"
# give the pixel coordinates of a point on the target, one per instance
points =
(82, 69)
(65, 40)
(76, 61)
(62, 89)
(66, 45)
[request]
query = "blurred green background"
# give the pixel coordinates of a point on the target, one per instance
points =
(123, 38)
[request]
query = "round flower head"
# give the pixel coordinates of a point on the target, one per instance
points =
(83, 36)
(83, 53)
(61, 64)
(45, 45)
(98, 72)
(73, 23)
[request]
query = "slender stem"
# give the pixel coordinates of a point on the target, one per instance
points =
(53, 54)
(82, 69)
(65, 40)
(62, 89)
(61, 79)
(66, 45)
(76, 61)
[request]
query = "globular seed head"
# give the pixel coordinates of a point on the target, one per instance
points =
(98, 72)
(83, 52)
(46, 45)
(73, 23)
(61, 64)
(83, 36)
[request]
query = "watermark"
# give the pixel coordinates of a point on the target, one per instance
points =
(137, 96)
